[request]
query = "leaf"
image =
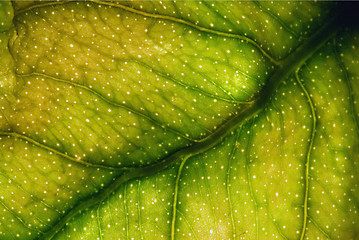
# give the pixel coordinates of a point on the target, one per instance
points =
(179, 120)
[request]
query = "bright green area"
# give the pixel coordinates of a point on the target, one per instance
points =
(98, 99)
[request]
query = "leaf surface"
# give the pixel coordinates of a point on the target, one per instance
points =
(178, 120)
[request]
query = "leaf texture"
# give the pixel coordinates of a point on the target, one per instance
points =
(179, 120)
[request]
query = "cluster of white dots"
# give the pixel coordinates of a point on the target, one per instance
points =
(272, 20)
(92, 85)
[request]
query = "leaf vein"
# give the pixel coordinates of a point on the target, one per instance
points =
(308, 155)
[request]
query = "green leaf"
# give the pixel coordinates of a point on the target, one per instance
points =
(179, 120)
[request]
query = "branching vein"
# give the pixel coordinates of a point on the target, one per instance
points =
(308, 156)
